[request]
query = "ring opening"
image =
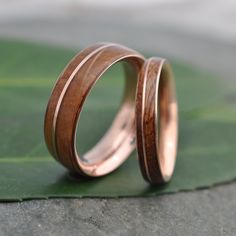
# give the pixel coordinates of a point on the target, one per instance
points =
(167, 122)
(98, 115)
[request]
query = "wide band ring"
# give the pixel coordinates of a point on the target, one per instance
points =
(66, 102)
(156, 121)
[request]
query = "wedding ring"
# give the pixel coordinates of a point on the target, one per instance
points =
(156, 121)
(66, 102)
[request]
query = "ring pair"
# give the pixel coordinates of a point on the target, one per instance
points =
(148, 115)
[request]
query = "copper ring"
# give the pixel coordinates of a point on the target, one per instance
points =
(66, 102)
(156, 121)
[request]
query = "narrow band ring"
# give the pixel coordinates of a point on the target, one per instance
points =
(156, 121)
(66, 102)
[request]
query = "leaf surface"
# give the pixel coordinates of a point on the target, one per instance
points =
(206, 154)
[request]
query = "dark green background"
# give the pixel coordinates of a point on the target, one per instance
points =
(207, 143)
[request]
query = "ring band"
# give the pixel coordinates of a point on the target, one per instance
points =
(156, 121)
(65, 105)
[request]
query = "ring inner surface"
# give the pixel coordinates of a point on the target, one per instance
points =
(97, 114)
(167, 122)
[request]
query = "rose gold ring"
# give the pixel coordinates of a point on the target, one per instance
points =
(156, 121)
(66, 102)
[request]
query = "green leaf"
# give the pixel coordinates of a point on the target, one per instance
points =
(206, 154)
